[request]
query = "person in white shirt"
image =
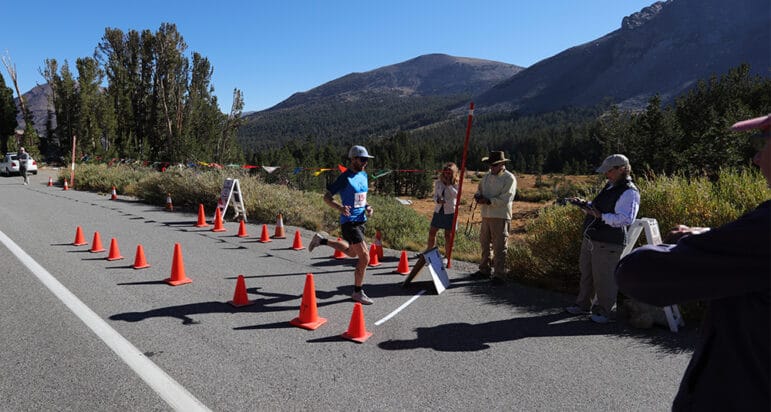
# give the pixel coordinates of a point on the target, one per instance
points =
(495, 195)
(605, 235)
(445, 195)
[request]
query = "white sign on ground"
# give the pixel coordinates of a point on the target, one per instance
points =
(231, 189)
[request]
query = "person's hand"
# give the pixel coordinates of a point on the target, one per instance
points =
(680, 231)
(369, 210)
(592, 211)
(346, 210)
(440, 200)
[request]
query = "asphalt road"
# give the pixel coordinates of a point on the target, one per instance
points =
(110, 337)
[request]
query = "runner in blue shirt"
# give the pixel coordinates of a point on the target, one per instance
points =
(352, 186)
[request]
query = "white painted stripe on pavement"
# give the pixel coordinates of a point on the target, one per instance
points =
(164, 385)
(399, 309)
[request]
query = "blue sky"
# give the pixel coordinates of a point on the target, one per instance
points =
(270, 50)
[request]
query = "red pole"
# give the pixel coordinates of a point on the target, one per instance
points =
(460, 185)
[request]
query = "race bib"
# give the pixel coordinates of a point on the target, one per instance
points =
(360, 199)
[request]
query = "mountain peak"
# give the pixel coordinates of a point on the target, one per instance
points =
(635, 20)
(425, 75)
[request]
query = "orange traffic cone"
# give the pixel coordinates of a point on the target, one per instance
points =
(169, 206)
(373, 259)
(79, 239)
(404, 266)
(177, 269)
(298, 241)
(339, 253)
(50, 181)
(265, 237)
(309, 316)
(239, 296)
(114, 251)
(218, 227)
(379, 243)
(139, 259)
(242, 229)
(357, 330)
(96, 244)
(201, 217)
(114, 194)
(279, 233)
(65, 185)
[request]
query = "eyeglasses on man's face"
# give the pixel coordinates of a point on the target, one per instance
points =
(363, 159)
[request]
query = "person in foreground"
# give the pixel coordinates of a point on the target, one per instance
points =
(730, 268)
(495, 194)
(352, 185)
(445, 195)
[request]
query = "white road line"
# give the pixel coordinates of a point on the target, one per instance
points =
(399, 309)
(164, 385)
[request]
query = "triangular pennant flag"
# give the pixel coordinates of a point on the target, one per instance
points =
(341, 168)
(321, 171)
(381, 173)
(270, 169)
(298, 170)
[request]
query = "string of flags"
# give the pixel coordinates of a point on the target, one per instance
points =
(317, 171)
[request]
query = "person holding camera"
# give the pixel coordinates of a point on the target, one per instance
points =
(495, 195)
(729, 267)
(445, 195)
(604, 238)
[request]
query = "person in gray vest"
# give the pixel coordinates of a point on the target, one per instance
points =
(23, 158)
(604, 238)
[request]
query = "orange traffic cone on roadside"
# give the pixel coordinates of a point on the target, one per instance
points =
(265, 237)
(169, 206)
(379, 243)
(298, 241)
(373, 259)
(178, 276)
(218, 226)
(240, 297)
(96, 244)
(139, 259)
(242, 229)
(339, 253)
(201, 217)
(309, 316)
(114, 251)
(50, 181)
(114, 195)
(357, 330)
(66, 187)
(279, 232)
(79, 239)
(404, 266)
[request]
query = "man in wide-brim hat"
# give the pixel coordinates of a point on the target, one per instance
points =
(495, 196)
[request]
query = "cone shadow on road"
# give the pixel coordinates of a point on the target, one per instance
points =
(186, 312)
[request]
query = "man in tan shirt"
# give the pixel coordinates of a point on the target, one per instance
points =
(495, 195)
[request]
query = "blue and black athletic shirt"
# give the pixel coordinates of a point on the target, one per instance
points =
(352, 187)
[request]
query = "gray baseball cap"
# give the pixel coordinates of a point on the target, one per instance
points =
(359, 151)
(612, 161)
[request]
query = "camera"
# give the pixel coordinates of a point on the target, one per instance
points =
(580, 203)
